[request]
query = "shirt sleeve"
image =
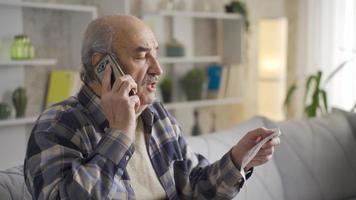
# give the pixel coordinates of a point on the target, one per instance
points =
(57, 168)
(198, 179)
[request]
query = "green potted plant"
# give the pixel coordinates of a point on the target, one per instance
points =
(174, 48)
(192, 83)
(240, 8)
(315, 96)
(5, 110)
(19, 99)
(166, 88)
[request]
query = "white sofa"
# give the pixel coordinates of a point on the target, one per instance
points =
(315, 161)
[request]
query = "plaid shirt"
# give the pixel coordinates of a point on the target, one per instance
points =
(72, 154)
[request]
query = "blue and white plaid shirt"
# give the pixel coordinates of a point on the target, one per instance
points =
(72, 154)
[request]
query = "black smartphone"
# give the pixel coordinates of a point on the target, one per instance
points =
(116, 71)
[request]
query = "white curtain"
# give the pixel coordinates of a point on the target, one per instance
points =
(326, 38)
(343, 87)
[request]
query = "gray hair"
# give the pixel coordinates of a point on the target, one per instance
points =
(99, 38)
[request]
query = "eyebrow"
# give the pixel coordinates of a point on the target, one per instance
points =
(144, 49)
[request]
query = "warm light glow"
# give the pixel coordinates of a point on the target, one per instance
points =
(272, 48)
(271, 68)
(272, 55)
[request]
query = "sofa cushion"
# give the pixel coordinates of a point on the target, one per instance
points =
(12, 186)
(316, 158)
(351, 118)
(265, 183)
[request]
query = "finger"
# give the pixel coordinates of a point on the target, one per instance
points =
(126, 86)
(105, 83)
(261, 159)
(267, 132)
(119, 80)
(273, 142)
(260, 133)
(135, 100)
(265, 152)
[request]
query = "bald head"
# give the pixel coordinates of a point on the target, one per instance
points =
(109, 34)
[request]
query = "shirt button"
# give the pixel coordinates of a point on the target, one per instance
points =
(127, 157)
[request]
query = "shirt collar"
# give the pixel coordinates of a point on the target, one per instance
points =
(91, 102)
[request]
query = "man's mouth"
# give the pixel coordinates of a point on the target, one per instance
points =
(150, 83)
(152, 86)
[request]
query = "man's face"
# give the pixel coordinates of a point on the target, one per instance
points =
(137, 53)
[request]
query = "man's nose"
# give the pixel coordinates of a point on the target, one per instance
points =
(155, 66)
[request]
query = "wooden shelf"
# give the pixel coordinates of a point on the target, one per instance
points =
(18, 122)
(35, 62)
(207, 15)
(53, 6)
(196, 59)
(204, 103)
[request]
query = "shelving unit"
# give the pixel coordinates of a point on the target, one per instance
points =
(17, 122)
(56, 31)
(195, 59)
(35, 62)
(208, 38)
(229, 28)
(52, 6)
(206, 15)
(204, 103)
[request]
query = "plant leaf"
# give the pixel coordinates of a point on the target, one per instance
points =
(309, 81)
(318, 80)
(325, 100)
(335, 71)
(310, 110)
(290, 93)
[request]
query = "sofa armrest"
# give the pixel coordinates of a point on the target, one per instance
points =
(12, 184)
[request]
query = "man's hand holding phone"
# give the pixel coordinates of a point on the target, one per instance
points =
(119, 107)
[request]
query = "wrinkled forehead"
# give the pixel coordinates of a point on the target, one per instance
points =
(131, 37)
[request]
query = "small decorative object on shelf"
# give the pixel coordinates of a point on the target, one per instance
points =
(19, 99)
(196, 127)
(22, 48)
(166, 89)
(238, 7)
(214, 80)
(192, 83)
(5, 110)
(174, 49)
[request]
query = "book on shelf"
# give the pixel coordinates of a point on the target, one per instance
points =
(223, 82)
(214, 80)
(231, 81)
(234, 81)
(62, 84)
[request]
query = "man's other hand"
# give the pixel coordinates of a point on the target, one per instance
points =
(249, 141)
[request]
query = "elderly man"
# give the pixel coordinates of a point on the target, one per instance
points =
(107, 144)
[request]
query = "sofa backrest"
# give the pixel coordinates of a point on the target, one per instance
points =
(317, 158)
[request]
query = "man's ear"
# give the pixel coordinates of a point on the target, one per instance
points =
(95, 58)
